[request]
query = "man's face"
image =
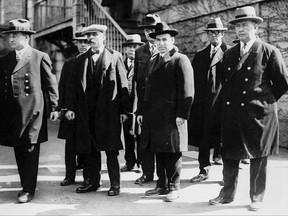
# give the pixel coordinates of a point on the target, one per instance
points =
(96, 39)
(18, 40)
(164, 43)
(215, 37)
(130, 50)
(82, 46)
(245, 30)
(147, 31)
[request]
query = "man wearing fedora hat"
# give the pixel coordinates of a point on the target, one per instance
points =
(143, 55)
(25, 82)
(204, 122)
(66, 127)
(130, 45)
(166, 106)
(97, 101)
(254, 78)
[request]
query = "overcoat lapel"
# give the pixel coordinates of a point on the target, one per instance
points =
(162, 61)
(26, 57)
(217, 57)
(85, 67)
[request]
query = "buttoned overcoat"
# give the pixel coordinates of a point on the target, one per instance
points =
(205, 116)
(23, 85)
(112, 101)
(250, 127)
(169, 94)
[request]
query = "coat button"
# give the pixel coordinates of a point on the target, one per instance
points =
(26, 94)
(228, 103)
(248, 68)
(226, 80)
(242, 104)
(26, 81)
(26, 74)
(228, 68)
(26, 87)
(246, 79)
(244, 92)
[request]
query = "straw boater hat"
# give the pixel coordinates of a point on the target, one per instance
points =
(215, 24)
(94, 28)
(19, 25)
(150, 21)
(163, 28)
(134, 39)
(246, 13)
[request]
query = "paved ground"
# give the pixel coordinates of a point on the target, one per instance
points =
(52, 199)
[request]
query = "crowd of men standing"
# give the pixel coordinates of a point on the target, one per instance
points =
(225, 99)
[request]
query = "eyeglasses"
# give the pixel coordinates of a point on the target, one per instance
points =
(214, 32)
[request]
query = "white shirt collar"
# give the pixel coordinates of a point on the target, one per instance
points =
(21, 52)
(216, 48)
(248, 44)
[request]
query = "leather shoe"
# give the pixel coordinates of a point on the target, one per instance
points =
(220, 200)
(172, 196)
(87, 188)
(221, 183)
(67, 181)
(157, 191)
(143, 179)
(114, 191)
(255, 206)
(199, 178)
(25, 197)
(126, 168)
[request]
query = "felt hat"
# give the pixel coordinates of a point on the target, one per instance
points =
(215, 24)
(246, 13)
(150, 21)
(133, 39)
(163, 28)
(19, 25)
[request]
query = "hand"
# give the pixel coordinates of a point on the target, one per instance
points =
(54, 115)
(70, 115)
(139, 119)
(123, 118)
(179, 121)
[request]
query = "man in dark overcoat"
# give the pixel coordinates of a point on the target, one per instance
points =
(204, 123)
(25, 80)
(66, 127)
(143, 55)
(130, 127)
(254, 78)
(97, 99)
(166, 106)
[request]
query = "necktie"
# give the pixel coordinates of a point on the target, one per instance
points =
(214, 50)
(17, 57)
(243, 50)
(153, 48)
(95, 51)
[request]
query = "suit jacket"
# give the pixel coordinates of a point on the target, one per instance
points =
(169, 94)
(143, 58)
(205, 116)
(249, 119)
(66, 127)
(112, 101)
(23, 86)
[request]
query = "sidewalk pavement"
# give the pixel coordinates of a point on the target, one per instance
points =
(52, 199)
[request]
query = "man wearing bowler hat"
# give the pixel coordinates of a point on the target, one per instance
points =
(25, 82)
(97, 100)
(143, 55)
(130, 126)
(66, 127)
(254, 78)
(204, 123)
(167, 101)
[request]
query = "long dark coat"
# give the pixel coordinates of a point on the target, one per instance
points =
(66, 127)
(250, 94)
(205, 116)
(112, 101)
(23, 88)
(169, 94)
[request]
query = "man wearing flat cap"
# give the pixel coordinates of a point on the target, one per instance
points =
(25, 82)
(130, 126)
(97, 102)
(254, 77)
(66, 127)
(167, 101)
(204, 123)
(143, 55)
